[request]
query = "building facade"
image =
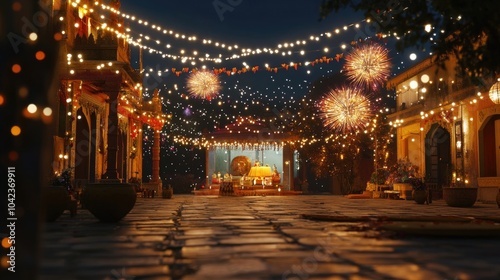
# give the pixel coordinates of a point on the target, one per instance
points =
(448, 126)
(99, 116)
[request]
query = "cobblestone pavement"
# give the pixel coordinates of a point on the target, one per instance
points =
(195, 237)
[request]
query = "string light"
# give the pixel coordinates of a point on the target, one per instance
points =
(245, 51)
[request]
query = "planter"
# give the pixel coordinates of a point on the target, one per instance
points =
(377, 194)
(167, 193)
(56, 200)
(371, 187)
(460, 197)
(420, 196)
(368, 193)
(109, 202)
(374, 187)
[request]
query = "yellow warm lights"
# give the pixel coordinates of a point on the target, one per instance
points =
(205, 41)
(494, 92)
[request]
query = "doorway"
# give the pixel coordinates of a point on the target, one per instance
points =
(489, 154)
(438, 156)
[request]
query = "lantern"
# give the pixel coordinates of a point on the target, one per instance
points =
(495, 92)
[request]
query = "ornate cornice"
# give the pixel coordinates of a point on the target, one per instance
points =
(92, 104)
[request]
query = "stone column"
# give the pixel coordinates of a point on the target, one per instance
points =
(155, 178)
(112, 88)
(156, 139)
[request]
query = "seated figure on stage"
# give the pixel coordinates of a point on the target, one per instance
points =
(215, 179)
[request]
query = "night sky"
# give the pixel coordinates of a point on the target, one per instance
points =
(255, 25)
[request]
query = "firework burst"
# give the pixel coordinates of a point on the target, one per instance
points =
(203, 84)
(345, 110)
(368, 65)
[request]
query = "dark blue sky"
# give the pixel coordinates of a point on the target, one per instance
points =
(248, 21)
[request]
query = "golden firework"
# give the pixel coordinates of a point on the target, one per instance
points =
(203, 84)
(345, 110)
(368, 65)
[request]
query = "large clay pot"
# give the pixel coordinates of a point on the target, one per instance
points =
(460, 196)
(56, 200)
(420, 196)
(109, 202)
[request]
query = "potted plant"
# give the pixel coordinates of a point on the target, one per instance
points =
(167, 192)
(399, 175)
(419, 191)
(137, 183)
(460, 195)
(59, 196)
(377, 181)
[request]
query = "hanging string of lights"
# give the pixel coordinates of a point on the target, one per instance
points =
(283, 48)
(230, 46)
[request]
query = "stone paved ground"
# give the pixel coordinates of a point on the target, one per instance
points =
(194, 237)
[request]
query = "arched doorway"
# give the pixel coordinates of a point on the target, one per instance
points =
(489, 140)
(438, 156)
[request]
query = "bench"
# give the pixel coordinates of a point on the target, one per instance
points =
(392, 194)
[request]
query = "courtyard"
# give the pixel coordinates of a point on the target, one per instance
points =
(274, 237)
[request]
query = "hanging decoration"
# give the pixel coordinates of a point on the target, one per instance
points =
(255, 69)
(345, 110)
(203, 84)
(368, 65)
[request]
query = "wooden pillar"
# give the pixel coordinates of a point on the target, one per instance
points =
(288, 167)
(156, 139)
(156, 157)
(112, 88)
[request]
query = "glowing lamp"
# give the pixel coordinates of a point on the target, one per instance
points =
(495, 92)
(260, 172)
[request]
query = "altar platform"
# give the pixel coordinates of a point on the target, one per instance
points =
(256, 190)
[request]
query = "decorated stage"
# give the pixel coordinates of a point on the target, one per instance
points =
(246, 191)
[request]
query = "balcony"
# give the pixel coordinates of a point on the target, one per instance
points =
(105, 47)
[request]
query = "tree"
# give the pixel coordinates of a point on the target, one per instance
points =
(326, 153)
(466, 29)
